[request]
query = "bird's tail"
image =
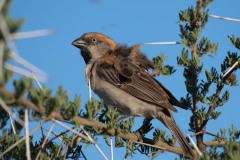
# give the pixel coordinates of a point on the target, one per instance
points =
(171, 124)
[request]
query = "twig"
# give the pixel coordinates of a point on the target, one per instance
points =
(13, 128)
(85, 158)
(72, 130)
(29, 66)
(111, 148)
(205, 132)
(31, 34)
(216, 143)
(27, 134)
(146, 144)
(224, 18)
(5, 107)
(23, 101)
(65, 155)
(89, 89)
(23, 72)
(43, 136)
(38, 83)
(22, 139)
(55, 134)
(6, 34)
(60, 147)
(194, 145)
(95, 144)
(13, 49)
(45, 140)
(231, 69)
(160, 43)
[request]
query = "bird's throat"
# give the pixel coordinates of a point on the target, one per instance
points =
(86, 56)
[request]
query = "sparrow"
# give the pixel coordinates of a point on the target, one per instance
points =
(119, 76)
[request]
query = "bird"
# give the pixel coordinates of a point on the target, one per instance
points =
(119, 75)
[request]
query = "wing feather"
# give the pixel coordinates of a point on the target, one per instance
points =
(139, 84)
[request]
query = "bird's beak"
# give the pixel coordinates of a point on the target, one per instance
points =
(78, 43)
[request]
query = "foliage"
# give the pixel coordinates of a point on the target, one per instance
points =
(230, 150)
(160, 67)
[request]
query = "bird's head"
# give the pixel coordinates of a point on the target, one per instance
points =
(94, 45)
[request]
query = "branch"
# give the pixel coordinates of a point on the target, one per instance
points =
(194, 94)
(45, 140)
(205, 132)
(56, 136)
(215, 143)
(21, 100)
(212, 105)
(127, 136)
(218, 91)
(92, 123)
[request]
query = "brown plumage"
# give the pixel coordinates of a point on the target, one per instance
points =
(118, 74)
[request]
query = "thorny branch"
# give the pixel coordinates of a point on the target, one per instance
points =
(59, 135)
(216, 96)
(205, 132)
(195, 99)
(93, 123)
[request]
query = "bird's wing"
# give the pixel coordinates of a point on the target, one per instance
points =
(134, 55)
(135, 81)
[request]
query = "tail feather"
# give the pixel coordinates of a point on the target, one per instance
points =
(171, 124)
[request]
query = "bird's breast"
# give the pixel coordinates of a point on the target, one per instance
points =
(114, 97)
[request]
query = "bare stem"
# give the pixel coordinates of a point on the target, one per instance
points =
(27, 134)
(45, 140)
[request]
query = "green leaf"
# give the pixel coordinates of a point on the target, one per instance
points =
(161, 68)
(21, 86)
(201, 113)
(225, 97)
(206, 3)
(228, 62)
(126, 125)
(231, 151)
(212, 76)
(205, 46)
(215, 115)
(235, 41)
(118, 142)
(183, 60)
(93, 108)
(203, 90)
(160, 135)
(187, 101)
(112, 118)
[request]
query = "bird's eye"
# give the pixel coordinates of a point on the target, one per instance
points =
(94, 39)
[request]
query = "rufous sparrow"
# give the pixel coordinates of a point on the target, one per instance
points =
(118, 74)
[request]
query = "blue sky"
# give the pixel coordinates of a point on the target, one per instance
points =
(127, 22)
